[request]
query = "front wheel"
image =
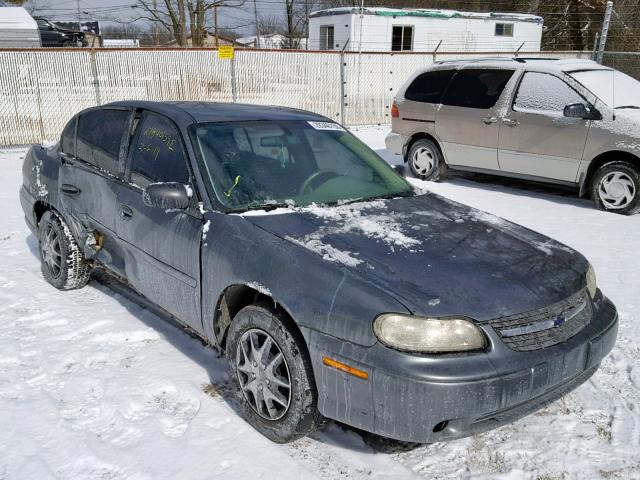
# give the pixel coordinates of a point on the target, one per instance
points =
(615, 187)
(425, 160)
(271, 371)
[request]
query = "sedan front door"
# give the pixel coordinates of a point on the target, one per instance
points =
(536, 139)
(162, 259)
(467, 122)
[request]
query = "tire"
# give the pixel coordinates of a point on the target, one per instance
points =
(615, 187)
(425, 160)
(279, 422)
(63, 263)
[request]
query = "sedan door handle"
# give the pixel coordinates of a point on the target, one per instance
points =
(125, 212)
(510, 122)
(489, 120)
(69, 189)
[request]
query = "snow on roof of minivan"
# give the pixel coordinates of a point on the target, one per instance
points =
(426, 12)
(16, 17)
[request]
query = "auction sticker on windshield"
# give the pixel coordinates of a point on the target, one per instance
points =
(326, 126)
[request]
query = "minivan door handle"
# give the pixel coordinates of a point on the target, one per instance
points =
(125, 212)
(69, 189)
(510, 122)
(489, 120)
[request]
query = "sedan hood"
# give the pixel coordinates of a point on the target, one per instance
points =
(436, 256)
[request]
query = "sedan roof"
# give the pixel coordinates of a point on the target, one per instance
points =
(202, 112)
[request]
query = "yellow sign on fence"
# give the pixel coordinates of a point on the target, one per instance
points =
(225, 51)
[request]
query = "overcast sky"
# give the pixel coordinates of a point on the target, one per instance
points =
(103, 10)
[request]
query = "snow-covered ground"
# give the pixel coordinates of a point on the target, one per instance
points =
(93, 385)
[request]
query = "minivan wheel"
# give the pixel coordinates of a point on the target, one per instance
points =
(615, 187)
(63, 263)
(425, 160)
(271, 372)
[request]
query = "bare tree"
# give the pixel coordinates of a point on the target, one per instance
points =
(183, 18)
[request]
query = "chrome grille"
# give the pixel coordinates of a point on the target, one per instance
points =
(546, 326)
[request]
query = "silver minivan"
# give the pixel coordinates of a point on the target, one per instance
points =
(571, 122)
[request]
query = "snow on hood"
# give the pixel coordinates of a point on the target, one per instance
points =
(435, 255)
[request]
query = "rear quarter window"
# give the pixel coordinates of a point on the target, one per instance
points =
(476, 88)
(429, 87)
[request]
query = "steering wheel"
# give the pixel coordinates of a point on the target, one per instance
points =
(314, 177)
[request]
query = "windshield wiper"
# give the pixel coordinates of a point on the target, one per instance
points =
(266, 206)
(629, 106)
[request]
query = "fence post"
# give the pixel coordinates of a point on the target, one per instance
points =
(436, 51)
(343, 84)
(94, 72)
(234, 88)
(605, 31)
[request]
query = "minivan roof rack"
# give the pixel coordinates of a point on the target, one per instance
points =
(529, 59)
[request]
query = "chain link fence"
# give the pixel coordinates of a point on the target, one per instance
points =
(41, 89)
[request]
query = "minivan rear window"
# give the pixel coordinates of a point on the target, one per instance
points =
(429, 87)
(476, 88)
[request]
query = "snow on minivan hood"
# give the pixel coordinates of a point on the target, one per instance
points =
(436, 256)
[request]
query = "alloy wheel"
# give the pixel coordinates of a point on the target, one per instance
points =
(263, 374)
(51, 252)
(616, 190)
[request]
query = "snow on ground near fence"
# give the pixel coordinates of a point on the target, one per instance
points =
(92, 385)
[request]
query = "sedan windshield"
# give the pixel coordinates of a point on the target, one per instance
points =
(612, 87)
(265, 164)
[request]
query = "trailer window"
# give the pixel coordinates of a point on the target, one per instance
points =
(402, 38)
(326, 37)
(504, 29)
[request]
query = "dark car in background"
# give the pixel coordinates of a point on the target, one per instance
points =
(333, 288)
(52, 35)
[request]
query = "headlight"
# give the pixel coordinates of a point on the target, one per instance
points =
(592, 286)
(428, 335)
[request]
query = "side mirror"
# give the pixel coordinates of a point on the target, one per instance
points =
(168, 195)
(399, 169)
(580, 110)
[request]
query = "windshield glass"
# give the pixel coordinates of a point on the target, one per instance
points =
(612, 87)
(262, 164)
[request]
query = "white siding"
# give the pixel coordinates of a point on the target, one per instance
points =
(457, 34)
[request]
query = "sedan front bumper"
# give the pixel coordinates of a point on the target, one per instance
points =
(428, 399)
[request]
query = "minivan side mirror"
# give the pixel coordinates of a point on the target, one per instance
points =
(167, 195)
(580, 110)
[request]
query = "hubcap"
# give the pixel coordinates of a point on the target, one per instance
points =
(423, 161)
(616, 190)
(263, 374)
(50, 251)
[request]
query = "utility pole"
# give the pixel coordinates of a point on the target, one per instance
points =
(605, 31)
(155, 25)
(215, 24)
(255, 14)
(78, 6)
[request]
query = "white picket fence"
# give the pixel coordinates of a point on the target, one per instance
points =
(41, 89)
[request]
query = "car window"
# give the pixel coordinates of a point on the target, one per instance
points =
(476, 88)
(429, 87)
(544, 92)
(68, 142)
(158, 154)
(100, 134)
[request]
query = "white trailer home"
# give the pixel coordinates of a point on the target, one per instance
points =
(18, 29)
(382, 29)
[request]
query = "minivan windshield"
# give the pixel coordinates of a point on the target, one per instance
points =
(614, 88)
(266, 164)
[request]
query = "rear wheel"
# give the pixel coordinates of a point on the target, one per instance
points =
(63, 263)
(615, 187)
(270, 368)
(425, 160)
